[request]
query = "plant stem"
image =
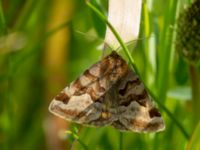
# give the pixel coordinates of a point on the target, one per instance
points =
(2, 20)
(195, 84)
(82, 144)
(113, 30)
(24, 14)
(56, 29)
(171, 116)
(120, 141)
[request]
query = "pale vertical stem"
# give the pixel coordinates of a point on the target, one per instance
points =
(124, 15)
(55, 58)
(124, 19)
(195, 84)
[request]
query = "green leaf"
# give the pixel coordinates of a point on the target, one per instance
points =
(181, 71)
(194, 143)
(99, 25)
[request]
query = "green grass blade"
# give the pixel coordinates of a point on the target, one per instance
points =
(194, 143)
(2, 20)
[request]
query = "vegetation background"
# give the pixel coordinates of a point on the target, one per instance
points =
(42, 49)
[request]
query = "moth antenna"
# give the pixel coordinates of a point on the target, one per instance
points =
(89, 35)
(134, 41)
(105, 44)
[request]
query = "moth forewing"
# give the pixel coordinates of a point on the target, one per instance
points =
(82, 100)
(108, 93)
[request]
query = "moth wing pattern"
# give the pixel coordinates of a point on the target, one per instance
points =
(136, 110)
(109, 93)
(79, 101)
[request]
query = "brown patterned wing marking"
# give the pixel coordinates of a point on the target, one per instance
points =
(100, 77)
(77, 109)
(136, 118)
(62, 96)
(131, 89)
(153, 112)
(136, 111)
(79, 102)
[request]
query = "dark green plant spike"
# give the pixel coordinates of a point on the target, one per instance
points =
(188, 33)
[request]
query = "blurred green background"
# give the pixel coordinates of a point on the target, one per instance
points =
(42, 51)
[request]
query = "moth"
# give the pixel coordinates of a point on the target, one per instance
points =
(109, 93)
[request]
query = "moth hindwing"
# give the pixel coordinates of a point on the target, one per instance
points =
(108, 93)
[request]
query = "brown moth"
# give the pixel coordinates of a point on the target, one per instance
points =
(108, 93)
